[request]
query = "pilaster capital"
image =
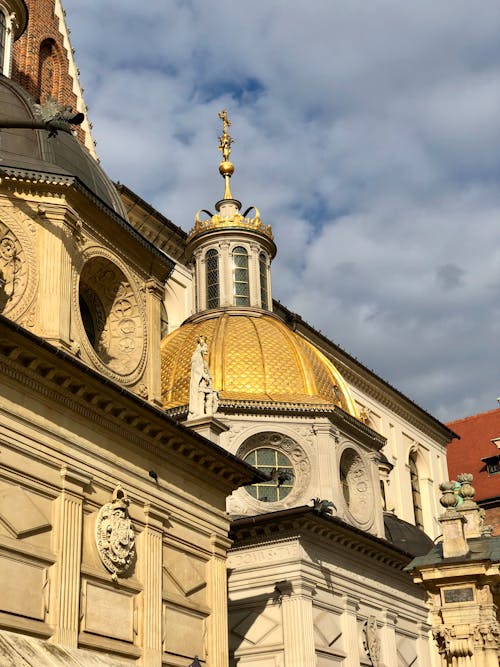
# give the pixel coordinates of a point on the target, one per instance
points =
(74, 480)
(155, 287)
(327, 429)
(350, 605)
(155, 517)
(389, 618)
(295, 588)
(219, 545)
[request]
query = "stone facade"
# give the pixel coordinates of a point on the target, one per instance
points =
(461, 577)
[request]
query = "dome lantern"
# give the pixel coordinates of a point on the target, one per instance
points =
(231, 252)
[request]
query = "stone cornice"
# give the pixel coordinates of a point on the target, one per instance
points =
(64, 380)
(305, 521)
(19, 179)
(153, 225)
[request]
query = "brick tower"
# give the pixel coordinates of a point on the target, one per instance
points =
(43, 62)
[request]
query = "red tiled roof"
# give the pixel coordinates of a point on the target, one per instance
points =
(476, 433)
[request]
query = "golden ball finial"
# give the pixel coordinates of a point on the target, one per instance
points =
(226, 168)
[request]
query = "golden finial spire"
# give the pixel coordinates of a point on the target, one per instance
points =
(226, 168)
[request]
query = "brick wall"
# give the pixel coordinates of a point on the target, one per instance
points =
(39, 59)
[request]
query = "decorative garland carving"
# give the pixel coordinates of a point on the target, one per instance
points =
(18, 271)
(114, 534)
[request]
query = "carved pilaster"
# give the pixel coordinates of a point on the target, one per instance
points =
(388, 638)
(298, 626)
(55, 279)
(149, 563)
(200, 299)
(155, 293)
(67, 536)
(226, 275)
(217, 635)
(254, 276)
(350, 631)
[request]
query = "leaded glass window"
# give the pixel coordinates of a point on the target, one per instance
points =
(241, 288)
(3, 36)
(276, 464)
(212, 269)
(415, 492)
(263, 280)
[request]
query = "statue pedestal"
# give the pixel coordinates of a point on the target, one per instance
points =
(208, 426)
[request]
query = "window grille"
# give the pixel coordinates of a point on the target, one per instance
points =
(241, 288)
(263, 281)
(212, 268)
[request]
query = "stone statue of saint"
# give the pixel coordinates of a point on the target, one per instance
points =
(203, 399)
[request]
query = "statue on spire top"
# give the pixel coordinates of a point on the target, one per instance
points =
(225, 139)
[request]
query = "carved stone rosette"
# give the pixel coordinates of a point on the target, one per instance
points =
(115, 536)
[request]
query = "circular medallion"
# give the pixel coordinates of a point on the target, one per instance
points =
(112, 319)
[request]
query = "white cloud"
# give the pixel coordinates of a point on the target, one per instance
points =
(367, 135)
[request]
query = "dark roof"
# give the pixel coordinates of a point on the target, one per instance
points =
(481, 549)
(32, 150)
(406, 536)
(405, 540)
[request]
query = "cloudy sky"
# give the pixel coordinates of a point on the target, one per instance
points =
(367, 133)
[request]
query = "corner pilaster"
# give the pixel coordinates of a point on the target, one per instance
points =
(149, 562)
(217, 635)
(350, 631)
(298, 626)
(155, 293)
(55, 276)
(67, 540)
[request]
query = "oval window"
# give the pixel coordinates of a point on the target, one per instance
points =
(111, 316)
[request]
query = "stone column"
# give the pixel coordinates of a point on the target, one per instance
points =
(155, 293)
(225, 275)
(55, 284)
(350, 631)
(254, 276)
(67, 543)
(200, 299)
(149, 565)
(217, 635)
(327, 438)
(298, 627)
(424, 643)
(377, 495)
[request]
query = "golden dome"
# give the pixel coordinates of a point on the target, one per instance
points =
(253, 356)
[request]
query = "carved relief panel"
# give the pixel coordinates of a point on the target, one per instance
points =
(18, 274)
(357, 488)
(111, 318)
